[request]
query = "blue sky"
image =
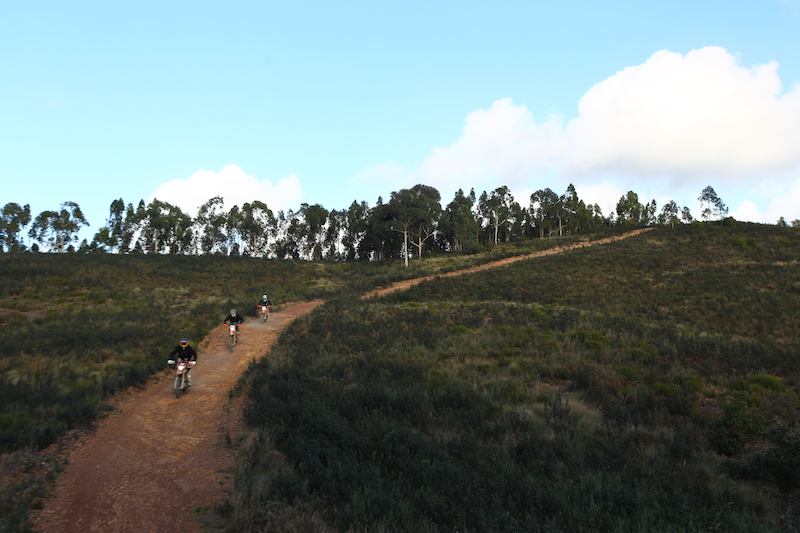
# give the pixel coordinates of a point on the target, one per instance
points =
(334, 102)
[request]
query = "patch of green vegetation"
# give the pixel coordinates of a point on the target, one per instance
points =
(644, 385)
(396, 399)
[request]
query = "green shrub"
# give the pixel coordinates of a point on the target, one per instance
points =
(767, 382)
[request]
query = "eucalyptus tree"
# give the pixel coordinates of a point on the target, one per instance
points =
(109, 237)
(210, 223)
(496, 209)
(669, 214)
(380, 237)
(649, 212)
(629, 210)
(289, 236)
(415, 212)
(596, 219)
(58, 229)
(711, 204)
(314, 218)
(13, 219)
(574, 211)
(544, 208)
(256, 225)
(458, 226)
(335, 228)
(402, 216)
(122, 228)
(165, 228)
(425, 201)
(233, 224)
(356, 222)
(519, 227)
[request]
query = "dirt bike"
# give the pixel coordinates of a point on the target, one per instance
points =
(181, 375)
(265, 310)
(233, 335)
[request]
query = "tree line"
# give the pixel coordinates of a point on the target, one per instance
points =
(412, 223)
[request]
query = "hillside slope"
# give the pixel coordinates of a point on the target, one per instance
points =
(648, 385)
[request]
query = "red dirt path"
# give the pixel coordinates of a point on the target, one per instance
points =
(403, 285)
(157, 458)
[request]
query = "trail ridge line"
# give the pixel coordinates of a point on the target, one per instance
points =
(403, 285)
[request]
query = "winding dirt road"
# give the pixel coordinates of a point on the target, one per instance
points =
(159, 464)
(156, 460)
(403, 285)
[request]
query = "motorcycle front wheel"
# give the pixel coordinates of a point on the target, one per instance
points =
(178, 387)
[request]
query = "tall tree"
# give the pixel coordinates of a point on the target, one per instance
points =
(355, 230)
(314, 216)
(403, 217)
(210, 223)
(12, 222)
(333, 234)
(458, 225)
(495, 208)
(165, 228)
(380, 240)
(109, 238)
(426, 203)
(711, 204)
(58, 229)
(256, 225)
(416, 212)
(576, 215)
(669, 214)
(544, 208)
(629, 210)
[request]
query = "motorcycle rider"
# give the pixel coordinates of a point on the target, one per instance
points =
(234, 318)
(184, 352)
(264, 301)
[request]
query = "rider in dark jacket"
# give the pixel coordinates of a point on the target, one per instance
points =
(264, 301)
(184, 352)
(234, 318)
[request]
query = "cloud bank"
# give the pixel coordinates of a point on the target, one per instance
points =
(234, 186)
(665, 129)
(674, 123)
(688, 117)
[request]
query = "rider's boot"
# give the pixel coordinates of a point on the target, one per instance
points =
(189, 380)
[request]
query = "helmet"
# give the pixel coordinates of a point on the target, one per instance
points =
(233, 311)
(264, 297)
(184, 342)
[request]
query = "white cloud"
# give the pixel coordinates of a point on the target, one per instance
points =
(233, 185)
(501, 145)
(747, 210)
(786, 205)
(686, 118)
(664, 129)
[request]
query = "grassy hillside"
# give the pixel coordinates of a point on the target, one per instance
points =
(74, 329)
(646, 385)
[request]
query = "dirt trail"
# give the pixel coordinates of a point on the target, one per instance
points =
(403, 285)
(148, 466)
